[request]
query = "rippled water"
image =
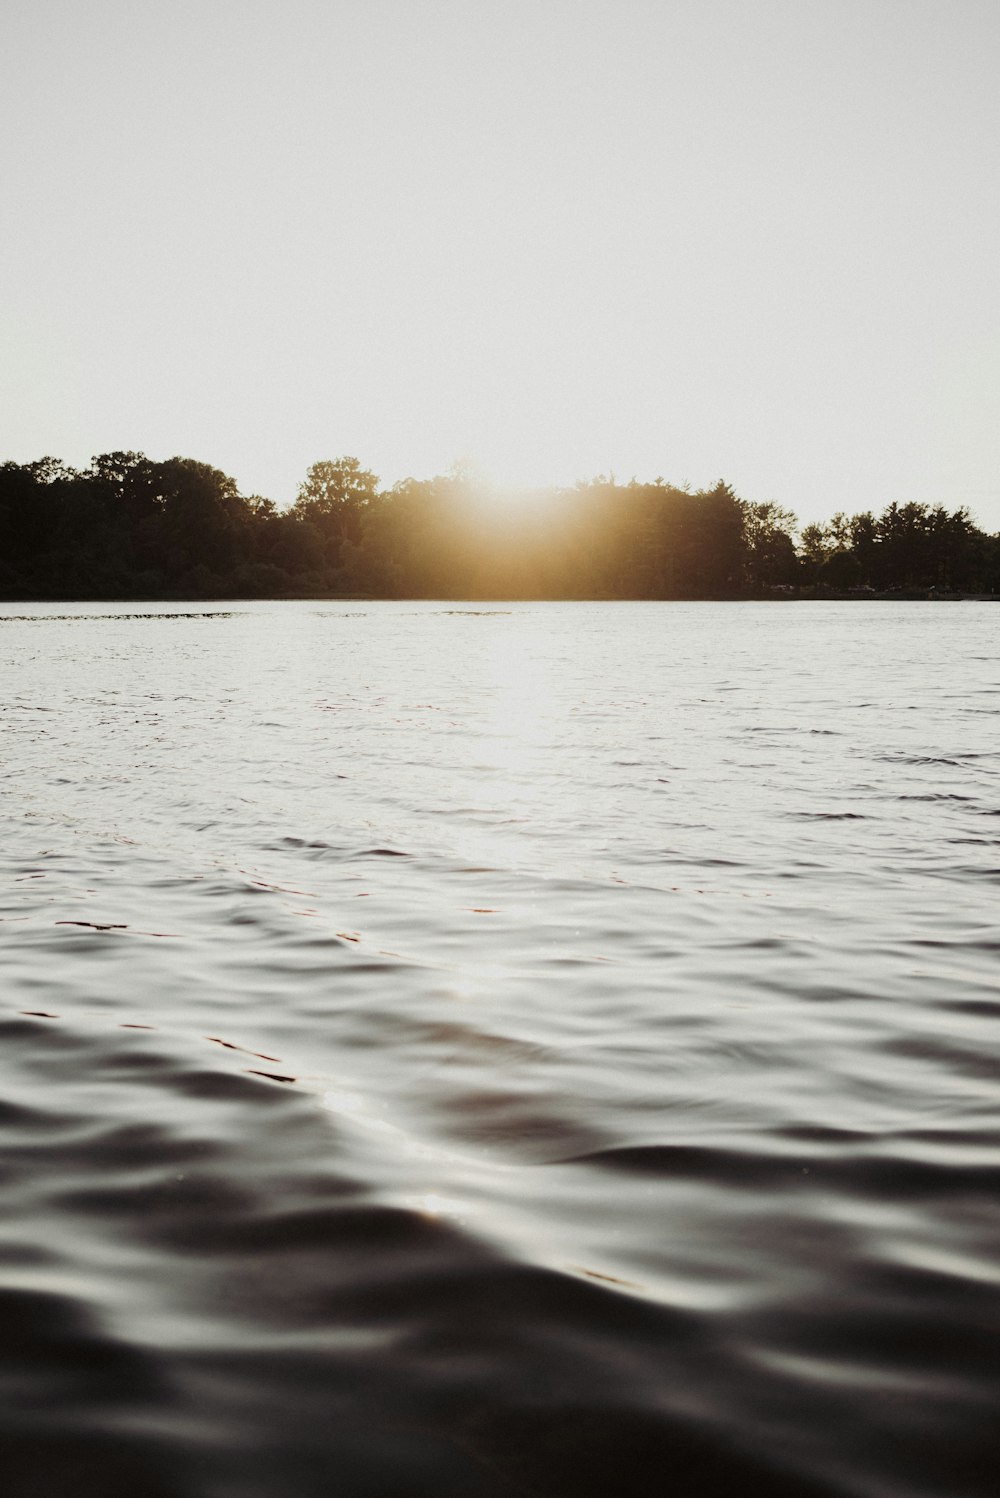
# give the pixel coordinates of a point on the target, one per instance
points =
(531, 1049)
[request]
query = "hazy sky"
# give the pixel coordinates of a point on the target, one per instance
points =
(697, 238)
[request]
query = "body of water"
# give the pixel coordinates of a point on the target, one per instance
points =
(479, 1051)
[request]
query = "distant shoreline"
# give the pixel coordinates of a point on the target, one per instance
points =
(129, 526)
(776, 595)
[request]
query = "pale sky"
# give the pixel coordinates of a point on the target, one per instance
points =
(747, 239)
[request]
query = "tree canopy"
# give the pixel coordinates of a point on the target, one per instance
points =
(131, 527)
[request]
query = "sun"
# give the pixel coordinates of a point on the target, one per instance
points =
(506, 482)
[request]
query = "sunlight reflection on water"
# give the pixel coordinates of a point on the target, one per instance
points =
(522, 1049)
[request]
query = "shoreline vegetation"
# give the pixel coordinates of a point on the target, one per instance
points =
(128, 527)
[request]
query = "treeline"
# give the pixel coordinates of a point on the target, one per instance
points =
(129, 527)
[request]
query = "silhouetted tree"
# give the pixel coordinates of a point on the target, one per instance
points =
(333, 499)
(771, 558)
(132, 526)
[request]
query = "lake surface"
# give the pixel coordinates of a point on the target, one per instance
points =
(471, 1051)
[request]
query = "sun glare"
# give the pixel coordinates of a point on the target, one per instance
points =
(512, 479)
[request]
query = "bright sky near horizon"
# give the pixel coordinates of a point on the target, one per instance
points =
(695, 238)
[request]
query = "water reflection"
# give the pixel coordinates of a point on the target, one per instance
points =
(572, 1060)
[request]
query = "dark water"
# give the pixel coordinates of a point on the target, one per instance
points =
(544, 1050)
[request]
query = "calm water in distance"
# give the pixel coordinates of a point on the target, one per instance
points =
(477, 1051)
